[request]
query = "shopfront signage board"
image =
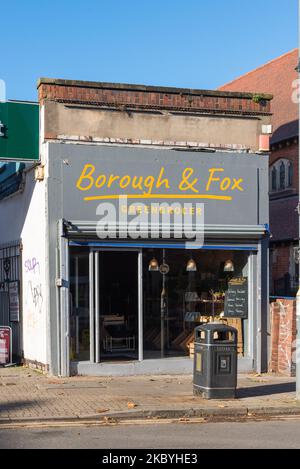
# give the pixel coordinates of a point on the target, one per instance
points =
(19, 131)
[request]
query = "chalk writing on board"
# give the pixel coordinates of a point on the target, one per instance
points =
(236, 298)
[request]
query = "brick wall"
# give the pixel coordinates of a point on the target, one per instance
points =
(281, 261)
(283, 336)
(284, 220)
(278, 77)
(143, 97)
(275, 77)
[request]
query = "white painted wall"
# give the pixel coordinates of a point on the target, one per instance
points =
(22, 216)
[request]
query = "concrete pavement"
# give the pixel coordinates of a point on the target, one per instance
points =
(27, 395)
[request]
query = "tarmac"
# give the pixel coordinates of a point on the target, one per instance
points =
(28, 396)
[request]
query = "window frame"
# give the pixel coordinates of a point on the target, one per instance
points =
(281, 175)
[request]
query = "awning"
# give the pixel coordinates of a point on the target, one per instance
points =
(161, 245)
(85, 229)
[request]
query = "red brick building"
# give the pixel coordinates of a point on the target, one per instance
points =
(279, 78)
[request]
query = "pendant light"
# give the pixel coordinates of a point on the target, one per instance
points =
(191, 266)
(229, 266)
(153, 265)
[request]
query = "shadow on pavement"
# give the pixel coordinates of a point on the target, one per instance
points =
(266, 390)
(18, 405)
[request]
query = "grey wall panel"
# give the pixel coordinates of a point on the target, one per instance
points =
(248, 206)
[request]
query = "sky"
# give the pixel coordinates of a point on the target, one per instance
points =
(184, 43)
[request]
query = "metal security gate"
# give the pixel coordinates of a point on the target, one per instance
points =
(10, 294)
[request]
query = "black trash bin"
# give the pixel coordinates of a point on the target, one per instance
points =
(215, 361)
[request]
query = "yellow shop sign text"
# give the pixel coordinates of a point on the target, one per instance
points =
(135, 186)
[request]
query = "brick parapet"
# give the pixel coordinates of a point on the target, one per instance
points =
(149, 97)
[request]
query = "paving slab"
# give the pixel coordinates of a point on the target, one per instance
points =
(27, 395)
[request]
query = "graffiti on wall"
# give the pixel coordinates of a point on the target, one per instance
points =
(33, 293)
(32, 265)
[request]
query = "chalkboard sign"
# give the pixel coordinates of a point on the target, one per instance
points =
(236, 298)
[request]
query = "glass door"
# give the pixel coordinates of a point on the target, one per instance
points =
(165, 281)
(79, 305)
(117, 305)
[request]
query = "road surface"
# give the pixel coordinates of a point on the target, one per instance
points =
(268, 434)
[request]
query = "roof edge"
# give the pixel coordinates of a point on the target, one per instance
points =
(146, 88)
(257, 68)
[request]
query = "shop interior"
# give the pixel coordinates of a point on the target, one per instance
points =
(118, 286)
(194, 293)
(118, 305)
(181, 289)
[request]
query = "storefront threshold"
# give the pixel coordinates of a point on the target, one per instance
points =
(146, 367)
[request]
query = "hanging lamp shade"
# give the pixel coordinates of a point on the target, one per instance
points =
(191, 266)
(153, 265)
(229, 266)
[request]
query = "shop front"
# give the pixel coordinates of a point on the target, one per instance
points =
(149, 244)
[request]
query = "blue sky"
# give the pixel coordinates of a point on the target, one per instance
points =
(184, 43)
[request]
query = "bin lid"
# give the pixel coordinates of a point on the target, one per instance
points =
(215, 326)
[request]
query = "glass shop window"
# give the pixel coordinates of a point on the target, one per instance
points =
(198, 287)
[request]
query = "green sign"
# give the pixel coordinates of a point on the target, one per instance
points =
(19, 131)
